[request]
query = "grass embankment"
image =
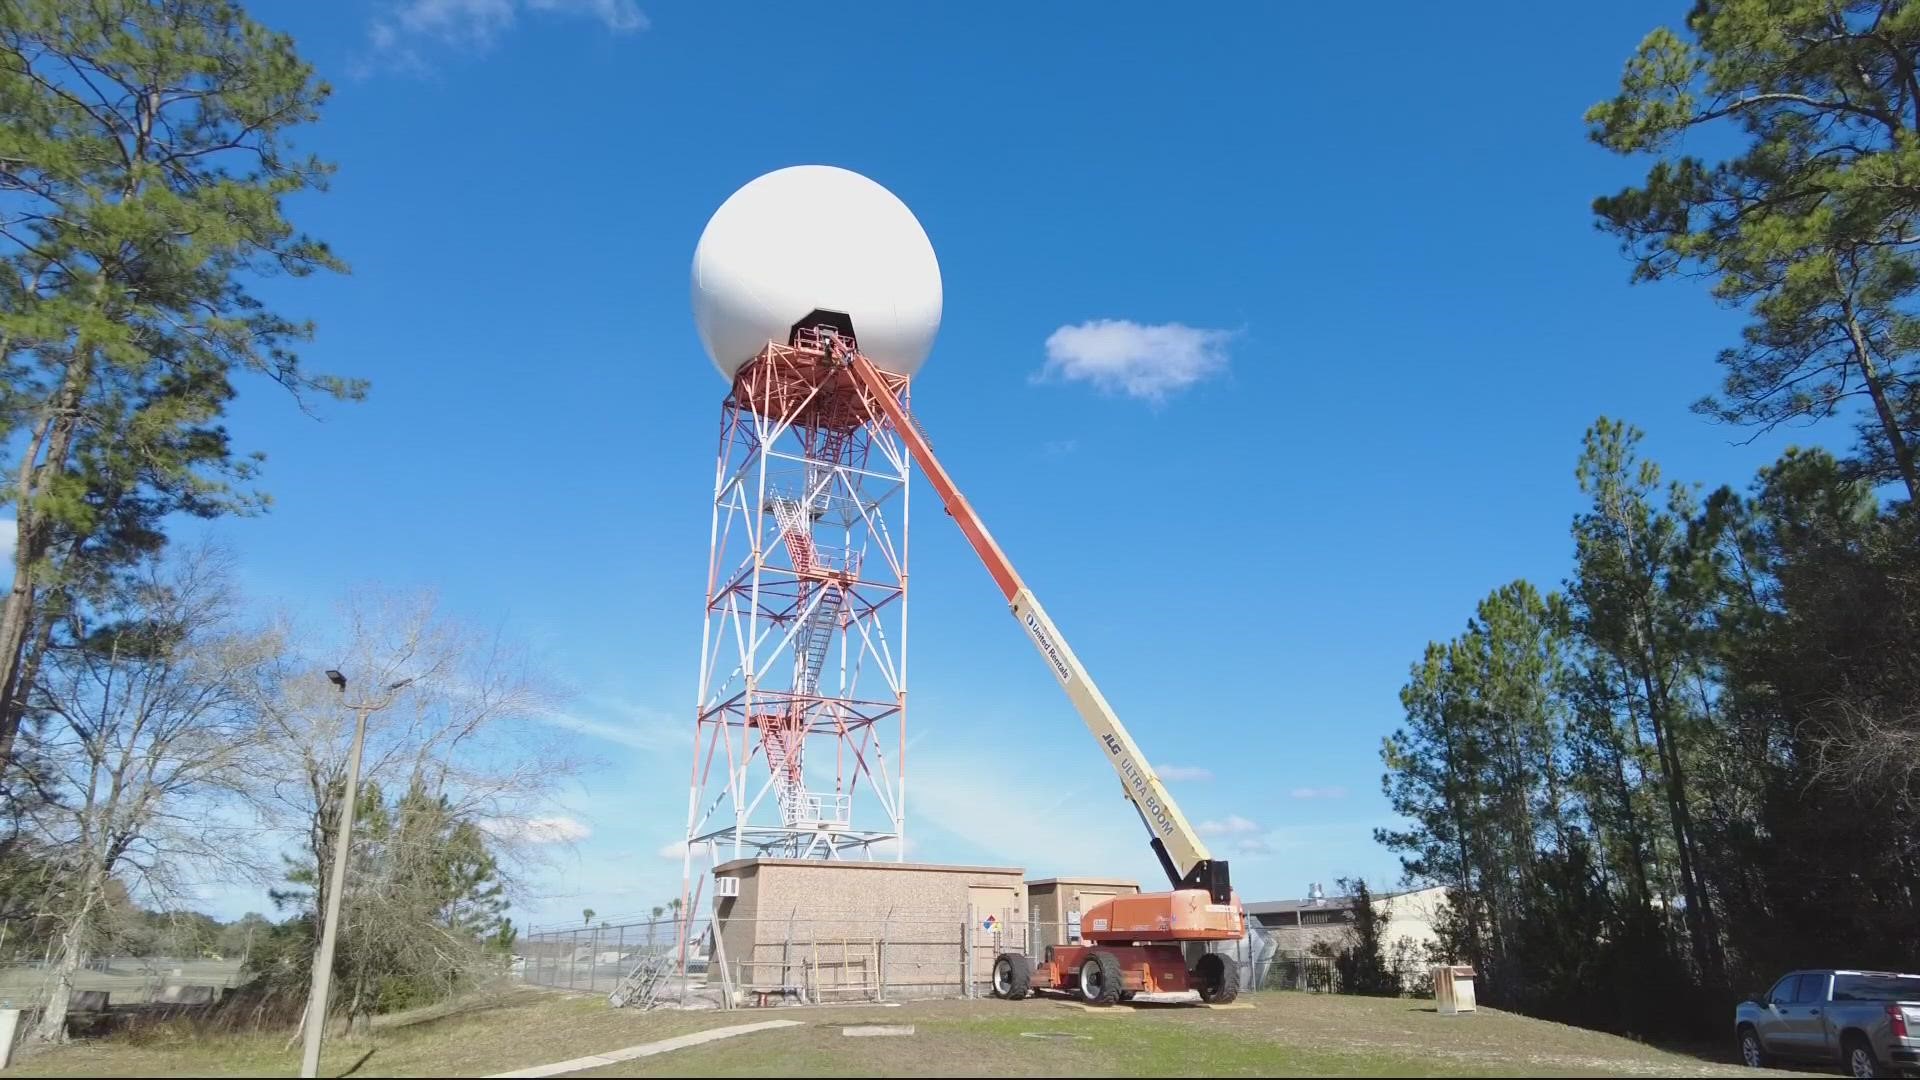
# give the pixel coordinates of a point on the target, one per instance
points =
(1281, 1034)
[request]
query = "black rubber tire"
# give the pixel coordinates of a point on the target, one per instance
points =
(1012, 976)
(1127, 995)
(1217, 980)
(1103, 988)
(1753, 1052)
(1858, 1059)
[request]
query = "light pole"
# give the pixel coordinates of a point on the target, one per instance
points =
(337, 876)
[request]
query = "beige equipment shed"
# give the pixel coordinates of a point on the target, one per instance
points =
(814, 930)
(1056, 904)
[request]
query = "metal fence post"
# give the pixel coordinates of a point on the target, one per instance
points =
(573, 957)
(966, 953)
(880, 956)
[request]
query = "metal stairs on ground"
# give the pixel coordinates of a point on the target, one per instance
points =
(639, 987)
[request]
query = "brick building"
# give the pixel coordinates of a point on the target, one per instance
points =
(855, 930)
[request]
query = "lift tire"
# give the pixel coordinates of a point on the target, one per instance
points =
(1127, 995)
(1012, 976)
(1217, 980)
(1100, 979)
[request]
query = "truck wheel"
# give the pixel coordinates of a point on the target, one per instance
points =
(1858, 1058)
(1752, 1051)
(1100, 979)
(1218, 981)
(1012, 976)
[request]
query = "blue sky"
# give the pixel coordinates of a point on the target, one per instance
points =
(1387, 223)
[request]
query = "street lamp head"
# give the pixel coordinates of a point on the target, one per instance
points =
(338, 680)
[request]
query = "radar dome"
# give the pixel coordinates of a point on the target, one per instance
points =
(815, 237)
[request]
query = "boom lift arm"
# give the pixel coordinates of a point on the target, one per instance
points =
(1182, 853)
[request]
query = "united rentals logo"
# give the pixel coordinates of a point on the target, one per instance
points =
(1040, 638)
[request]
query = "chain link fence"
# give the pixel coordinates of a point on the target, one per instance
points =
(854, 957)
(594, 959)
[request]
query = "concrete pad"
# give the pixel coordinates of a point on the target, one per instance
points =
(595, 1061)
(872, 1030)
(1129, 1007)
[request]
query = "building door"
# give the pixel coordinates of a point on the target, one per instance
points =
(998, 926)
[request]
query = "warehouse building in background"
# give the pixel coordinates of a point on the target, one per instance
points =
(1295, 927)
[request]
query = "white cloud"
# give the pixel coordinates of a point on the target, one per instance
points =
(398, 38)
(1147, 362)
(1333, 843)
(1234, 825)
(1319, 793)
(981, 803)
(676, 850)
(546, 830)
(475, 23)
(640, 731)
(618, 15)
(1183, 772)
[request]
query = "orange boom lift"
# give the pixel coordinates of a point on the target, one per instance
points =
(1149, 943)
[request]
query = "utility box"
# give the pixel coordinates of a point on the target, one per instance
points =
(1453, 989)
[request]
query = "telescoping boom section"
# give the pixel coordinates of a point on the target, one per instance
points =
(1132, 944)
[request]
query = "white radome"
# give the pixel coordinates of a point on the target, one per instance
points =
(815, 237)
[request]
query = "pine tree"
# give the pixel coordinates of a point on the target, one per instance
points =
(1633, 605)
(425, 907)
(1812, 225)
(145, 160)
(1361, 960)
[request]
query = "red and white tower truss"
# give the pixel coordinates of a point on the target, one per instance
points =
(800, 726)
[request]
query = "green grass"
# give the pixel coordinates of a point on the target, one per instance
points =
(1282, 1034)
(487, 1034)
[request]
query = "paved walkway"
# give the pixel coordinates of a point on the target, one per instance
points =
(594, 1061)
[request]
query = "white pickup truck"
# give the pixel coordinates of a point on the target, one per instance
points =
(1866, 1021)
